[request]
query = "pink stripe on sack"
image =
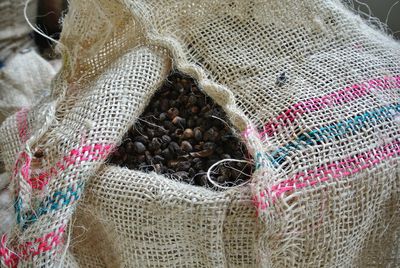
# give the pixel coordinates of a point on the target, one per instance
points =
(22, 124)
(75, 157)
(42, 244)
(22, 165)
(30, 249)
(8, 257)
(348, 94)
(331, 171)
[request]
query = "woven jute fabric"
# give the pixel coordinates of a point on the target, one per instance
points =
(312, 89)
(14, 31)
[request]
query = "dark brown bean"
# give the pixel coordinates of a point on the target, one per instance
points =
(141, 139)
(194, 109)
(155, 144)
(192, 100)
(183, 166)
(172, 113)
(188, 133)
(179, 121)
(186, 146)
(165, 139)
(139, 147)
(173, 147)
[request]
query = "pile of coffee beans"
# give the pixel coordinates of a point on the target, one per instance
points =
(182, 133)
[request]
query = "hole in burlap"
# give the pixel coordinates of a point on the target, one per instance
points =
(185, 135)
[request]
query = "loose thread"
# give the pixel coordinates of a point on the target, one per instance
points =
(222, 161)
(34, 28)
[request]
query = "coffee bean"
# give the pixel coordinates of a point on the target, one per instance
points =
(225, 156)
(194, 109)
(199, 165)
(139, 147)
(188, 133)
(192, 100)
(155, 144)
(142, 139)
(198, 135)
(150, 133)
(179, 121)
(191, 123)
(177, 134)
(166, 153)
(129, 147)
(206, 123)
(209, 146)
(158, 159)
(169, 125)
(183, 166)
(183, 99)
(165, 139)
(178, 87)
(173, 147)
(173, 103)
(201, 101)
(211, 134)
(219, 150)
(221, 179)
(140, 158)
(162, 116)
(172, 113)
(164, 105)
(201, 180)
(205, 109)
(186, 146)
(187, 84)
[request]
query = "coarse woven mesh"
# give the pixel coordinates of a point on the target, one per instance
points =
(313, 88)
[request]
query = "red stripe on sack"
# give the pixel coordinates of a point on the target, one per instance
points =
(42, 244)
(22, 165)
(31, 248)
(86, 153)
(8, 258)
(348, 94)
(22, 124)
(344, 168)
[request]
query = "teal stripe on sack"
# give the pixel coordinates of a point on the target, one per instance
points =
(57, 200)
(334, 131)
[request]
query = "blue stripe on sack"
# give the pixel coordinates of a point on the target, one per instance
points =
(349, 126)
(54, 202)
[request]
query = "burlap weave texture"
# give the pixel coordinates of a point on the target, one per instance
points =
(314, 91)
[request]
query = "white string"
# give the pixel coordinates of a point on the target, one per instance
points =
(33, 27)
(222, 161)
(390, 10)
(66, 246)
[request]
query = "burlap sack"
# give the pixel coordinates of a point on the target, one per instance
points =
(23, 81)
(14, 31)
(313, 89)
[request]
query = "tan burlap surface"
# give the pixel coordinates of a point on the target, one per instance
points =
(313, 90)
